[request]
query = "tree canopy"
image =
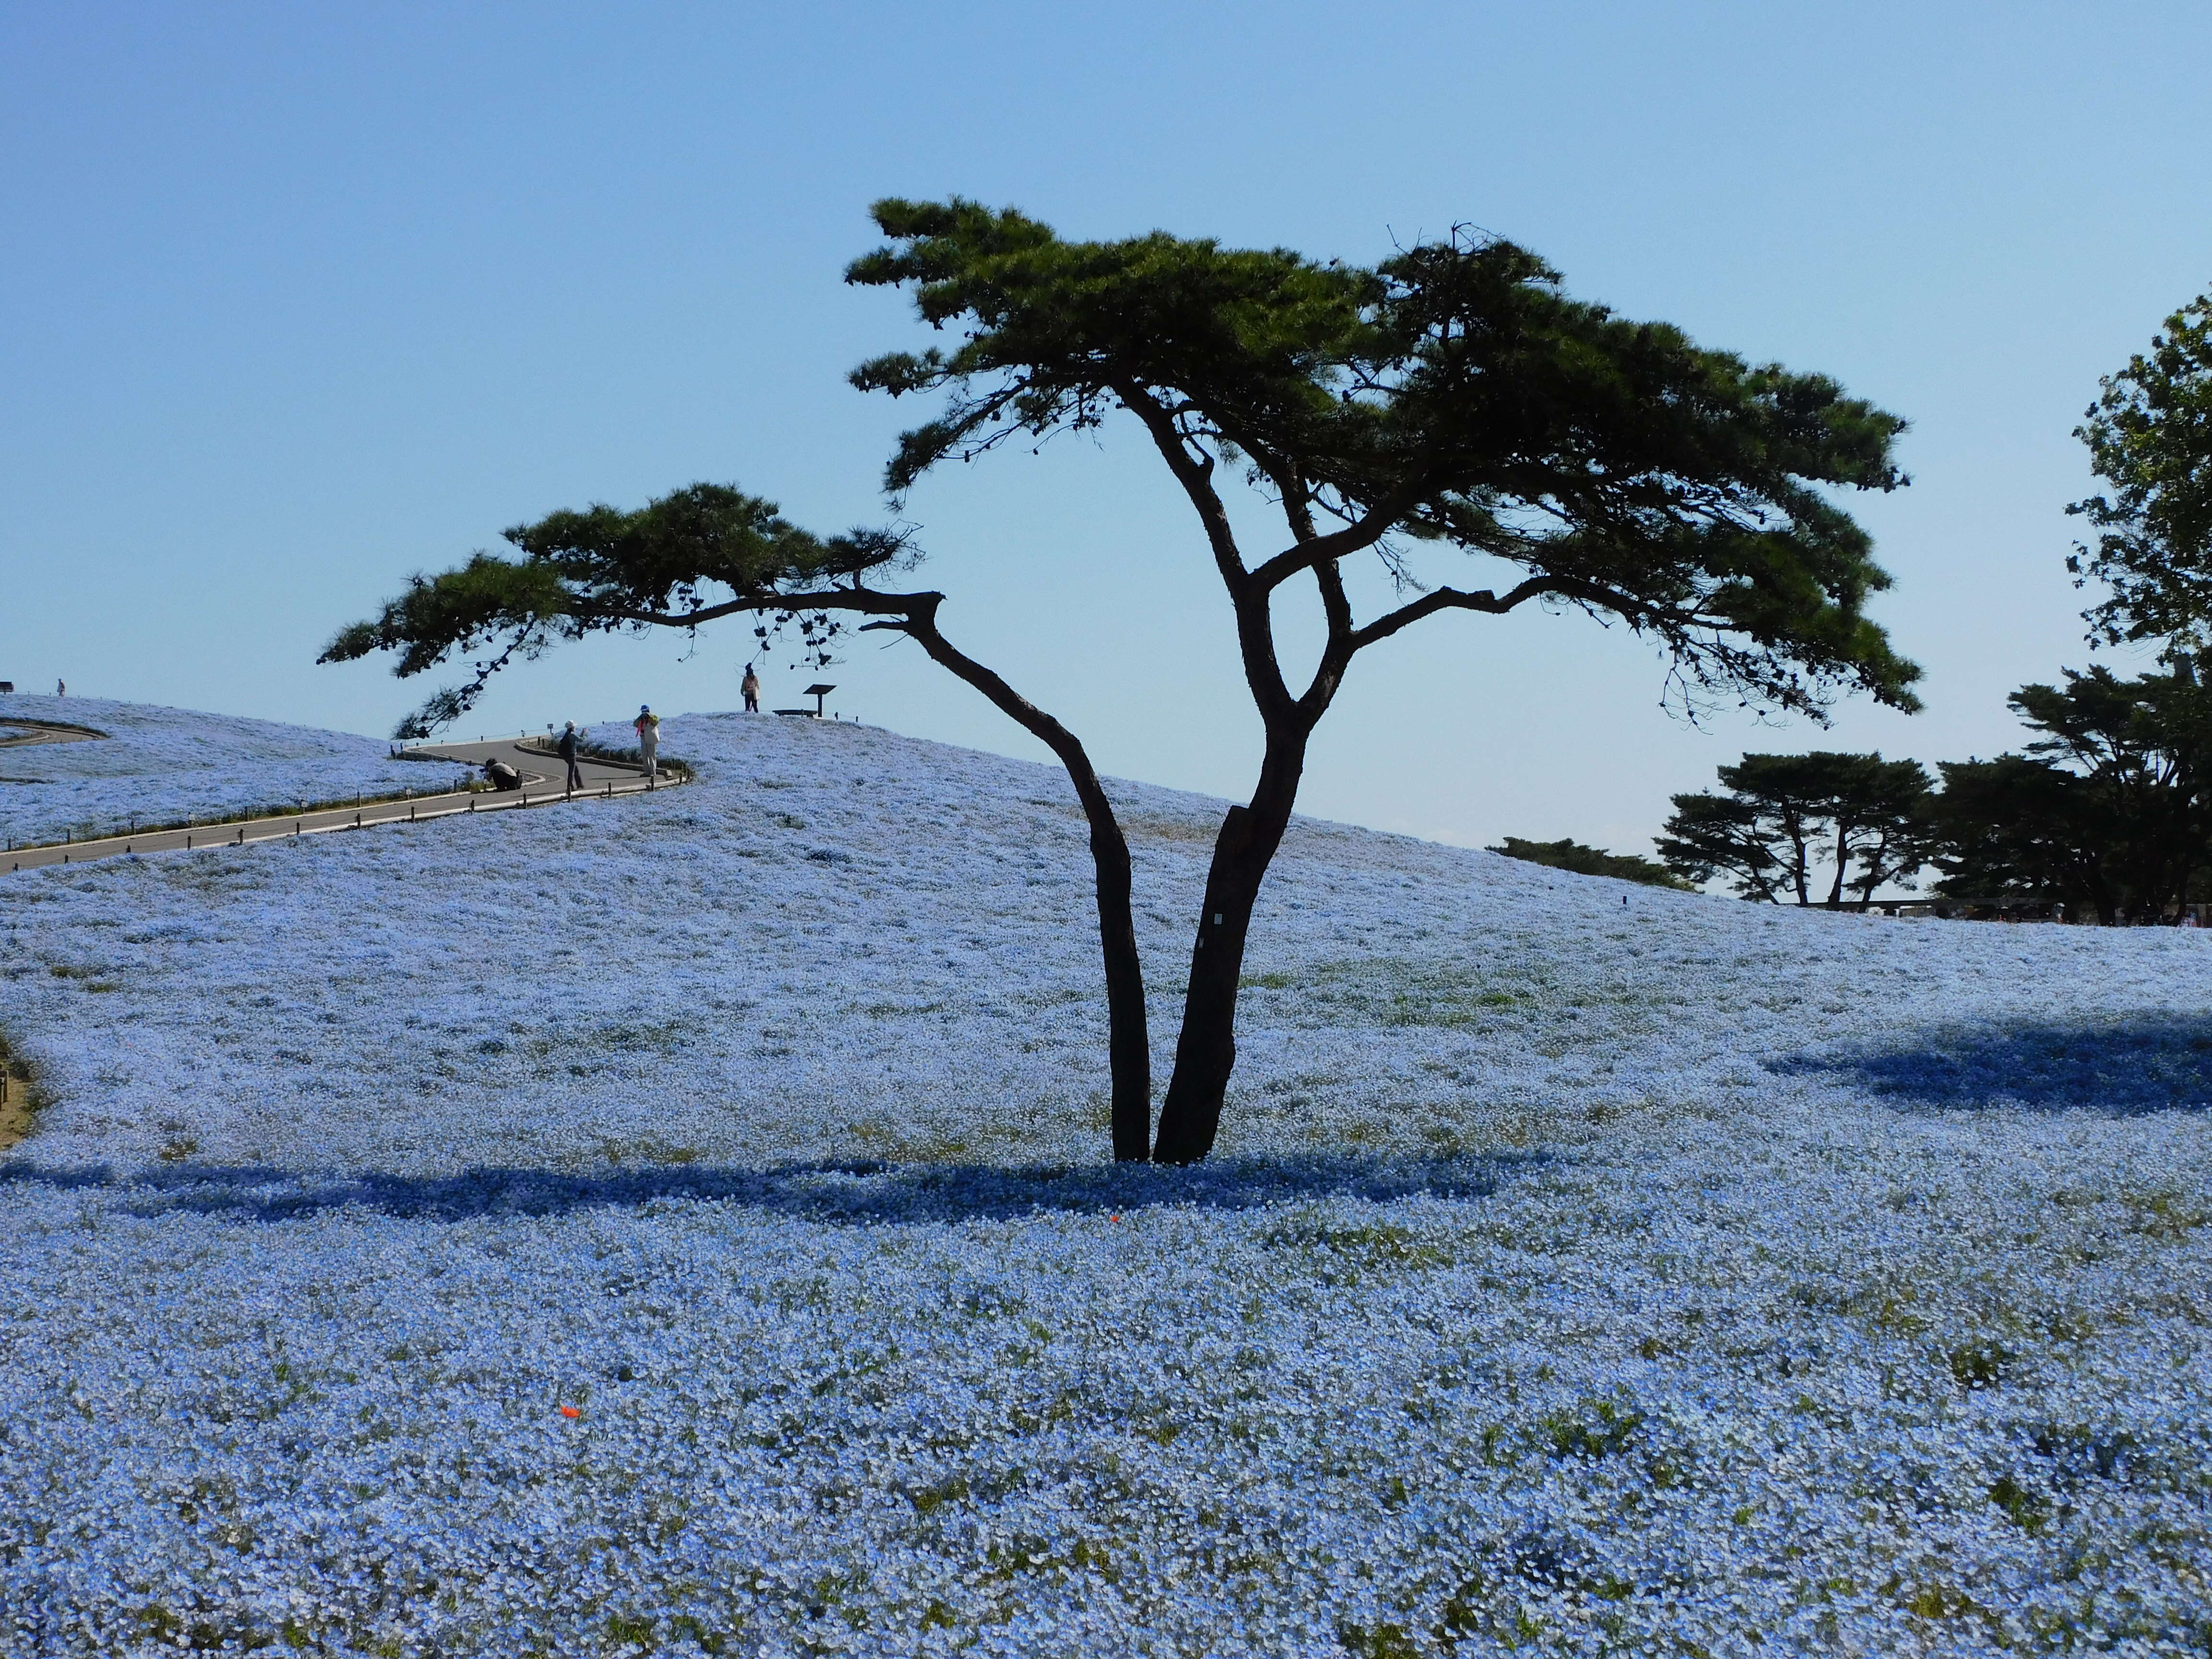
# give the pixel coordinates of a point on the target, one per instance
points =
(692, 555)
(2110, 809)
(1785, 816)
(2017, 833)
(1572, 855)
(2149, 435)
(1453, 394)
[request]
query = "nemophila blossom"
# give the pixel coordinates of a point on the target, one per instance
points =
(160, 765)
(1708, 1278)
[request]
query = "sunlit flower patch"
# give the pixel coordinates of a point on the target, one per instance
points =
(680, 1225)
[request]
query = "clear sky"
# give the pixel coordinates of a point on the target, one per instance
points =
(298, 299)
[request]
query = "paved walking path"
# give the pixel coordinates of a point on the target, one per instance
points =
(543, 782)
(16, 732)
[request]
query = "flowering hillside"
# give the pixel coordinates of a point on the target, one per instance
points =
(164, 765)
(679, 1225)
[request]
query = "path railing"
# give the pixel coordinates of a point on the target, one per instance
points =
(235, 832)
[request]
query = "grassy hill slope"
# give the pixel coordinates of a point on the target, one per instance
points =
(1590, 1264)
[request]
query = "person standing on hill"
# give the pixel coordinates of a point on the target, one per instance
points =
(566, 750)
(648, 738)
(750, 686)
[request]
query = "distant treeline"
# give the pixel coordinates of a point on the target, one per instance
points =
(2107, 812)
(1589, 861)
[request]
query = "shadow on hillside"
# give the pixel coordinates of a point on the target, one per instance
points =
(849, 1193)
(2123, 1068)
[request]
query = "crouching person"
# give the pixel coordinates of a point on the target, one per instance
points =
(503, 777)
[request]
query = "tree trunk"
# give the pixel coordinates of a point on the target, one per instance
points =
(1843, 863)
(1206, 1050)
(1128, 1043)
(1128, 1039)
(1877, 867)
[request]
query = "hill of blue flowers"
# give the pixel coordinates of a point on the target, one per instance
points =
(681, 1224)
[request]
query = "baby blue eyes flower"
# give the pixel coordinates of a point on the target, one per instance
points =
(1592, 1293)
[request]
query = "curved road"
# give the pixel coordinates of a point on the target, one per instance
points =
(541, 771)
(543, 782)
(16, 733)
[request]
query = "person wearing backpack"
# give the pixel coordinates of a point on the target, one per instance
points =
(648, 738)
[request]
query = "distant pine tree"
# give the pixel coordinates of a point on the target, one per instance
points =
(1768, 832)
(1591, 861)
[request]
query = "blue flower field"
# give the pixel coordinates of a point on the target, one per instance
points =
(680, 1225)
(159, 766)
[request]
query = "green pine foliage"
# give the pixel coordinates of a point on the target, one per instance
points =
(1785, 820)
(1583, 861)
(2149, 435)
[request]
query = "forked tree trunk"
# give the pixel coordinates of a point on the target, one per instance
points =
(1206, 1051)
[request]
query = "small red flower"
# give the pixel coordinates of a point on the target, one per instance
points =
(570, 1411)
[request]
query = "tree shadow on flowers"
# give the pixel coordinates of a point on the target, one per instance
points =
(862, 1193)
(2122, 1068)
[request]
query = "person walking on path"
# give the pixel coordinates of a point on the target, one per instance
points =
(648, 738)
(567, 749)
(752, 689)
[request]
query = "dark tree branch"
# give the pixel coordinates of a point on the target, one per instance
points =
(1388, 513)
(1255, 630)
(1128, 1037)
(1452, 598)
(1335, 605)
(1195, 474)
(867, 600)
(1336, 654)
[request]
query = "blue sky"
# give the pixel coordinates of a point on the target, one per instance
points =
(300, 299)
